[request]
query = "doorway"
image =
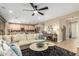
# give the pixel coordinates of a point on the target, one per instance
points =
(73, 30)
(64, 32)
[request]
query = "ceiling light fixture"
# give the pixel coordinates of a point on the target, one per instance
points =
(36, 12)
(10, 11)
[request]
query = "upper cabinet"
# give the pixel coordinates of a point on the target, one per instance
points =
(15, 27)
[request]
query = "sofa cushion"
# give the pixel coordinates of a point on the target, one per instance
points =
(5, 50)
(16, 49)
(27, 39)
(31, 36)
(0, 36)
(8, 51)
(1, 49)
(23, 42)
(7, 38)
(19, 37)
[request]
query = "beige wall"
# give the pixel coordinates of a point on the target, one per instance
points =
(55, 23)
(58, 23)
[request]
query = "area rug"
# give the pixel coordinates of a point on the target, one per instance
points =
(51, 51)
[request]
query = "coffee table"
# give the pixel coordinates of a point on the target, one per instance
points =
(35, 48)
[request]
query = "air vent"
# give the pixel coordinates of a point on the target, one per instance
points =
(3, 7)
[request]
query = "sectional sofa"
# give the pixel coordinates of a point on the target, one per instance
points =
(20, 39)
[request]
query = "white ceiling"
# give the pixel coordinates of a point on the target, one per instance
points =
(20, 16)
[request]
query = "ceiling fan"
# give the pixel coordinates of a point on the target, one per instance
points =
(36, 10)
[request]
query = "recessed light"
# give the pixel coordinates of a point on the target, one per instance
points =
(3, 7)
(10, 11)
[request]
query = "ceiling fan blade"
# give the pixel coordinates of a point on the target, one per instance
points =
(33, 14)
(35, 7)
(27, 10)
(43, 8)
(40, 13)
(32, 5)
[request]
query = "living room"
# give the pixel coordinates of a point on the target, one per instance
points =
(39, 29)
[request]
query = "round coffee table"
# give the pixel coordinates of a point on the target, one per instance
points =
(35, 48)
